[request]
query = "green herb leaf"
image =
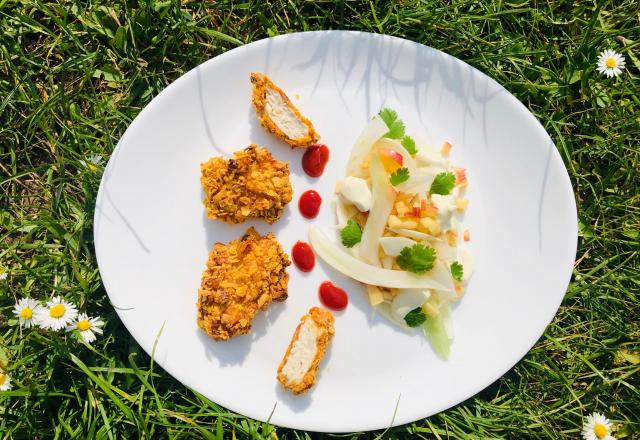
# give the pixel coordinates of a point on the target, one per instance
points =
(443, 184)
(395, 125)
(351, 234)
(457, 271)
(409, 144)
(398, 176)
(417, 258)
(415, 317)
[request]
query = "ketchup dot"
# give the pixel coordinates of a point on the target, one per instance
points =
(314, 159)
(303, 256)
(332, 296)
(309, 203)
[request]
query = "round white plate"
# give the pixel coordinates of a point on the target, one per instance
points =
(152, 236)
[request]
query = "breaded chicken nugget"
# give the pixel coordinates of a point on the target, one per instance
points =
(253, 184)
(278, 115)
(241, 278)
(298, 369)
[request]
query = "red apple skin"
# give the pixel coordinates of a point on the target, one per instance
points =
(391, 160)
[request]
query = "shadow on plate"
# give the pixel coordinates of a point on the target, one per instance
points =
(235, 350)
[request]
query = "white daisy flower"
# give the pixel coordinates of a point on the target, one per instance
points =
(27, 309)
(5, 381)
(57, 314)
(597, 427)
(4, 273)
(86, 327)
(610, 63)
(92, 162)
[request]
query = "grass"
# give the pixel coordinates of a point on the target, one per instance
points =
(74, 74)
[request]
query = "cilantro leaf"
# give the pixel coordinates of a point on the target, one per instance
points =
(395, 125)
(457, 271)
(398, 176)
(351, 234)
(417, 258)
(443, 184)
(415, 317)
(409, 144)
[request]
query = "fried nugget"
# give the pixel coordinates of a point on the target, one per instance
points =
(241, 278)
(279, 116)
(253, 184)
(298, 369)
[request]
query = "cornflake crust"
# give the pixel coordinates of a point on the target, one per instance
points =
(279, 116)
(299, 367)
(241, 278)
(253, 184)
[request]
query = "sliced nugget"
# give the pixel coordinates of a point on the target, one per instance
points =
(278, 115)
(241, 278)
(252, 184)
(298, 369)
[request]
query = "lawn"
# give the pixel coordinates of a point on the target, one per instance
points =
(74, 74)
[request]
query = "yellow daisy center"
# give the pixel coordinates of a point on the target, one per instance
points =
(26, 313)
(57, 311)
(611, 62)
(93, 168)
(600, 430)
(3, 379)
(83, 325)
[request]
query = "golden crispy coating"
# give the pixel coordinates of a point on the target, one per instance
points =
(241, 278)
(253, 184)
(279, 116)
(298, 369)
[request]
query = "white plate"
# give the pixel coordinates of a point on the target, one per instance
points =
(152, 235)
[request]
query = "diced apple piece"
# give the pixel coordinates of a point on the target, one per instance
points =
(431, 226)
(401, 208)
(461, 204)
(446, 148)
(395, 222)
(428, 209)
(391, 160)
(452, 237)
(461, 177)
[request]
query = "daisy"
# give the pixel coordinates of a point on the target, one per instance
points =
(86, 327)
(597, 427)
(27, 309)
(92, 162)
(4, 273)
(610, 63)
(57, 314)
(5, 381)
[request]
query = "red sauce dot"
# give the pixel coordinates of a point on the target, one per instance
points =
(309, 203)
(314, 160)
(333, 297)
(303, 256)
